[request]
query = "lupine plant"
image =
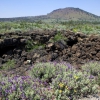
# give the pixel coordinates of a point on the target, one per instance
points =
(48, 81)
(73, 84)
(23, 88)
(66, 81)
(93, 68)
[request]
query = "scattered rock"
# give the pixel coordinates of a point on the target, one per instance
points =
(77, 49)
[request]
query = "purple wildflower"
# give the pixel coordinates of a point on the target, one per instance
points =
(91, 77)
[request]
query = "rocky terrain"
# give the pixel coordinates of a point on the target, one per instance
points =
(75, 48)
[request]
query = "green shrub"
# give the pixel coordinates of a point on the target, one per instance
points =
(75, 30)
(92, 67)
(98, 79)
(66, 81)
(30, 45)
(23, 88)
(44, 71)
(58, 36)
(8, 65)
(73, 84)
(49, 81)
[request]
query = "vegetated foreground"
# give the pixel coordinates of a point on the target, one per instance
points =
(52, 81)
(30, 70)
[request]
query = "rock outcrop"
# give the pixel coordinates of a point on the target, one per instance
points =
(75, 48)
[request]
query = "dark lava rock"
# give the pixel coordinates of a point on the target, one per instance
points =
(77, 49)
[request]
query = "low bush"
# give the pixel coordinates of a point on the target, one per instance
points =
(93, 68)
(8, 65)
(67, 82)
(23, 88)
(30, 45)
(49, 81)
(58, 36)
(45, 71)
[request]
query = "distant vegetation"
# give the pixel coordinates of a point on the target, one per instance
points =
(70, 18)
(75, 26)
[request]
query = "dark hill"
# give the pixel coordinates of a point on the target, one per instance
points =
(71, 13)
(68, 13)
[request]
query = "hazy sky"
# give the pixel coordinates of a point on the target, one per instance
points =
(18, 8)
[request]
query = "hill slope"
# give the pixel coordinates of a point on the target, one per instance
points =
(71, 13)
(68, 13)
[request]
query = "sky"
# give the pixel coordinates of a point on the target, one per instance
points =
(20, 8)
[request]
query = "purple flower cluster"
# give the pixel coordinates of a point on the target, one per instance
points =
(43, 82)
(23, 88)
